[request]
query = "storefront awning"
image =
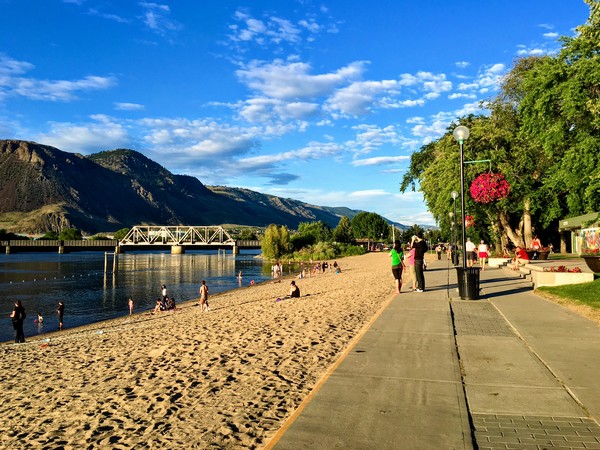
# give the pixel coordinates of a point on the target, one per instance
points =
(575, 223)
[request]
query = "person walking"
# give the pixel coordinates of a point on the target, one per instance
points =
(60, 312)
(204, 296)
(130, 304)
(470, 252)
(397, 256)
(482, 251)
(438, 250)
(18, 318)
(421, 248)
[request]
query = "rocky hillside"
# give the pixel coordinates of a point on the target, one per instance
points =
(43, 188)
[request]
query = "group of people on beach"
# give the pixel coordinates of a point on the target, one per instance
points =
(163, 303)
(18, 316)
(414, 259)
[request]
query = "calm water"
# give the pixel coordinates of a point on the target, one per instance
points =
(40, 280)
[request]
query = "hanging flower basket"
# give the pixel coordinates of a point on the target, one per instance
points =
(469, 221)
(489, 187)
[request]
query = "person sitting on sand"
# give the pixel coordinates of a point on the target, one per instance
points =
(294, 290)
(157, 307)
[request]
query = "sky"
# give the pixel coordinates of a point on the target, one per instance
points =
(319, 101)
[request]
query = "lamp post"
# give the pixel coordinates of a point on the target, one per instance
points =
(461, 134)
(454, 253)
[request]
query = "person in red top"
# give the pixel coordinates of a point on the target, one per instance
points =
(521, 257)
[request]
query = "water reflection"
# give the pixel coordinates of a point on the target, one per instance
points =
(40, 281)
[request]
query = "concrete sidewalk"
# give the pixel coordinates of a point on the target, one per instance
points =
(510, 370)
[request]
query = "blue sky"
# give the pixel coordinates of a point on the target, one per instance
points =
(320, 101)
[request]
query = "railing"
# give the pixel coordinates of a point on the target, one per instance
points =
(58, 243)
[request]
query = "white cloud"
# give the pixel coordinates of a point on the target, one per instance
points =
(100, 134)
(267, 110)
(551, 35)
(532, 52)
(358, 98)
(156, 17)
(459, 95)
(380, 160)
(292, 80)
(487, 79)
(371, 137)
(272, 29)
(14, 83)
(121, 106)
(462, 64)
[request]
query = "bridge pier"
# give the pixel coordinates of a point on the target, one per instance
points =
(177, 250)
(236, 250)
(8, 249)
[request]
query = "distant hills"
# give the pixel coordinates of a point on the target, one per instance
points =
(43, 188)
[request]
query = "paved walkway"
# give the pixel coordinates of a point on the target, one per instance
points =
(510, 370)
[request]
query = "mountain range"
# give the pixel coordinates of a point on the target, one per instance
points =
(43, 188)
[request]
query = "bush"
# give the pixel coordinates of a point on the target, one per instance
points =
(70, 234)
(120, 234)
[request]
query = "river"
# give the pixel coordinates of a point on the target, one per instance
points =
(41, 280)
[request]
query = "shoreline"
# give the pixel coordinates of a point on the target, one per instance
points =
(227, 378)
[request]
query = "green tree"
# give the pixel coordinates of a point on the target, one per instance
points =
(98, 237)
(247, 234)
(560, 109)
(320, 231)
(50, 236)
(366, 225)
(413, 230)
(275, 242)
(70, 234)
(120, 234)
(343, 232)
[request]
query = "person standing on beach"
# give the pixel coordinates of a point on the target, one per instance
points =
(204, 296)
(60, 312)
(18, 318)
(130, 304)
(163, 292)
(421, 248)
(397, 256)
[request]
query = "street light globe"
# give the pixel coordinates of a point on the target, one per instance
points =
(461, 133)
(454, 195)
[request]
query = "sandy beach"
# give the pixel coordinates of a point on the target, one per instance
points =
(227, 378)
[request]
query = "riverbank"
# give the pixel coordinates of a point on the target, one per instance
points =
(189, 379)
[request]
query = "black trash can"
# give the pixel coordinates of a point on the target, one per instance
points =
(468, 282)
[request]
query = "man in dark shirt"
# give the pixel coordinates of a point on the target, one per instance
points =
(421, 248)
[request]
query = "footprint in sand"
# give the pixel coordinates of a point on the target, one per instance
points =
(157, 352)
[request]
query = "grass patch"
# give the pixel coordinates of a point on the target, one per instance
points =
(582, 298)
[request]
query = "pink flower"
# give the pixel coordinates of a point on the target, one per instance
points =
(489, 187)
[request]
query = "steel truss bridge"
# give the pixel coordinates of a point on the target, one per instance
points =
(179, 238)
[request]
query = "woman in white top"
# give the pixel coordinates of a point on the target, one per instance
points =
(482, 251)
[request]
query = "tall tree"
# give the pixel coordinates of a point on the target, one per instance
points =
(343, 232)
(275, 242)
(366, 225)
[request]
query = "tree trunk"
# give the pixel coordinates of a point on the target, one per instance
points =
(515, 236)
(497, 233)
(527, 232)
